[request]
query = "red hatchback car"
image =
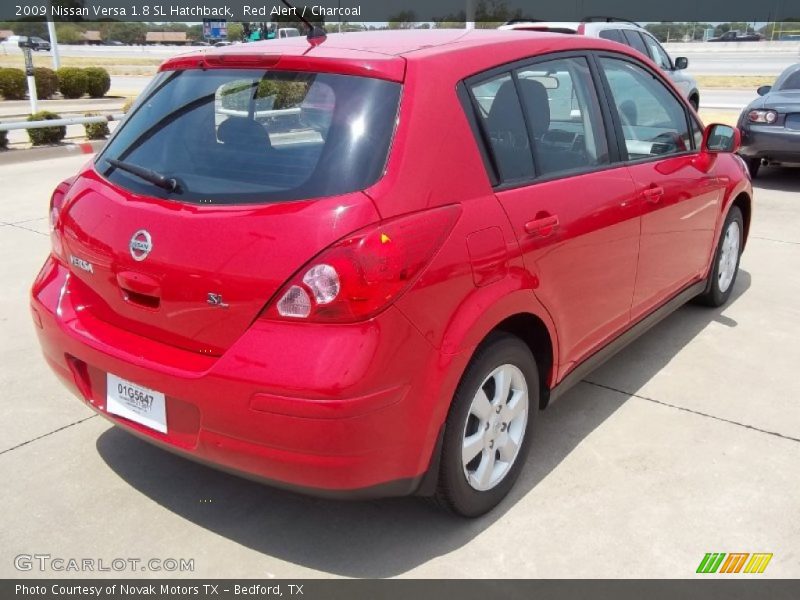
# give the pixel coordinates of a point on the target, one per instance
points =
(359, 267)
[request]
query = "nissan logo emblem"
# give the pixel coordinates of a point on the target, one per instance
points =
(141, 244)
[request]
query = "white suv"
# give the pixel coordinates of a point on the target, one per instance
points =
(628, 33)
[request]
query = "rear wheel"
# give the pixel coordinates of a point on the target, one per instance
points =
(487, 434)
(694, 100)
(726, 260)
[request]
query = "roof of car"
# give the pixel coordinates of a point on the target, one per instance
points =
(384, 53)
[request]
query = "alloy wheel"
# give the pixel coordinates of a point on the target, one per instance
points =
(495, 427)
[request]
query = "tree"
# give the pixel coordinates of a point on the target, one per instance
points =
(235, 31)
(489, 14)
(29, 28)
(776, 30)
(125, 32)
(405, 19)
(69, 33)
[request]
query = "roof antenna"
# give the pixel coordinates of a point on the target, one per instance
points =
(316, 35)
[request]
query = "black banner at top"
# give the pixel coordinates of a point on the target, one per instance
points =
(405, 11)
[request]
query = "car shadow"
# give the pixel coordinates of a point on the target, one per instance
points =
(381, 538)
(782, 179)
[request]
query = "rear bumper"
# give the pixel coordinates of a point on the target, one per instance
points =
(770, 142)
(333, 410)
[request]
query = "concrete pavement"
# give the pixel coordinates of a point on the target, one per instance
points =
(685, 443)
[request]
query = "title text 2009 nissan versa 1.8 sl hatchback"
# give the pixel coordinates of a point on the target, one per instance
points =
(359, 266)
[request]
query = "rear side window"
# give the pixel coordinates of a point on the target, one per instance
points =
(653, 120)
(792, 82)
(240, 136)
(542, 120)
(564, 114)
(504, 127)
(634, 40)
(613, 34)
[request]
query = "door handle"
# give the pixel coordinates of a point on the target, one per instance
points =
(653, 194)
(543, 226)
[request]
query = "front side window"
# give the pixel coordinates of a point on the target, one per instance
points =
(653, 121)
(657, 53)
(233, 136)
(564, 114)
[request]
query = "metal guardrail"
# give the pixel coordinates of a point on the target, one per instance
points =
(60, 122)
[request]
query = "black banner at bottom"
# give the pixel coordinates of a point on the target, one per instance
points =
(398, 589)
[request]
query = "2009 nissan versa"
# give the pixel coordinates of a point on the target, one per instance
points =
(360, 266)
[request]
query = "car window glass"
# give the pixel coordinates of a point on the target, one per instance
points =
(697, 132)
(657, 53)
(612, 34)
(653, 120)
(792, 82)
(502, 121)
(634, 40)
(564, 114)
(233, 136)
(277, 106)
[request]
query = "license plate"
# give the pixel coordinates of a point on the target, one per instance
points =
(136, 403)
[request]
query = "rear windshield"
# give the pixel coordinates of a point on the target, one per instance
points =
(229, 136)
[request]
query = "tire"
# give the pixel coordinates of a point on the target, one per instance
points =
(753, 165)
(726, 260)
(470, 488)
(694, 100)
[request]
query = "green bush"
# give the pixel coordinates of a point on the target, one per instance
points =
(46, 135)
(96, 131)
(98, 81)
(72, 82)
(46, 82)
(12, 84)
(3, 140)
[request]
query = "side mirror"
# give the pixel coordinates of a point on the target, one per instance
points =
(764, 90)
(721, 138)
(681, 62)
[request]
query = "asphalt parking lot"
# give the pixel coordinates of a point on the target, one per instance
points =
(687, 442)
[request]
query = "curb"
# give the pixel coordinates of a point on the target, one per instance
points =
(11, 157)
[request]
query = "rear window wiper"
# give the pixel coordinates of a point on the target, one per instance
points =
(167, 183)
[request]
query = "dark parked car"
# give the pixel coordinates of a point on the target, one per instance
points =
(40, 44)
(34, 43)
(770, 124)
(738, 36)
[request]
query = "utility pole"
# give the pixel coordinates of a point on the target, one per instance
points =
(51, 29)
(27, 53)
(470, 15)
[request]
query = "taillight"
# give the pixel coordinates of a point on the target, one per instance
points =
(56, 205)
(762, 116)
(359, 276)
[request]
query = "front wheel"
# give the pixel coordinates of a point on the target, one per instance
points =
(487, 433)
(726, 260)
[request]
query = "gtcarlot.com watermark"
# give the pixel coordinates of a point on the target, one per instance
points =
(45, 563)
